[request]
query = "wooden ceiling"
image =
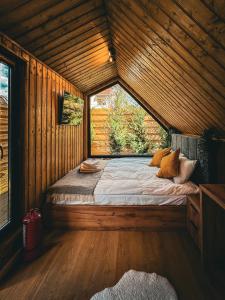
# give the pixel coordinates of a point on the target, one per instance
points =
(170, 52)
(71, 36)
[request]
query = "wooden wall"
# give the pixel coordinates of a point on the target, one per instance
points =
(50, 150)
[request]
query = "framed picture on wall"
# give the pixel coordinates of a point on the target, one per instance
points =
(71, 109)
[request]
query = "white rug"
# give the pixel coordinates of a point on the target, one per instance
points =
(139, 286)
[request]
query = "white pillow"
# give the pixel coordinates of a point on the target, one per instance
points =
(186, 168)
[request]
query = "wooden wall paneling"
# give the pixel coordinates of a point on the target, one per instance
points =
(5, 8)
(69, 9)
(176, 33)
(90, 63)
(158, 37)
(70, 142)
(127, 34)
(44, 131)
(57, 128)
(77, 148)
(67, 67)
(77, 143)
(32, 131)
(67, 141)
(59, 46)
(53, 129)
(217, 7)
(81, 142)
(49, 123)
(89, 13)
(90, 37)
(21, 12)
(206, 40)
(157, 43)
(206, 14)
(63, 138)
(74, 146)
(43, 143)
(26, 134)
(181, 42)
(38, 119)
(60, 134)
(48, 146)
(70, 60)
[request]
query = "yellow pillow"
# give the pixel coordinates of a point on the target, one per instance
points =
(169, 166)
(156, 160)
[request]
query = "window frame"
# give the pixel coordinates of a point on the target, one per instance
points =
(17, 78)
(89, 122)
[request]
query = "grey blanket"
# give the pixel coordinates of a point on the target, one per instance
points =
(75, 182)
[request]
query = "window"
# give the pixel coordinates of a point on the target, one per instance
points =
(120, 126)
(4, 145)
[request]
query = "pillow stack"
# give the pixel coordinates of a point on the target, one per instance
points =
(156, 160)
(186, 169)
(173, 165)
(169, 166)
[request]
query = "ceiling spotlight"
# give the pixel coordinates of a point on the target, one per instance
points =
(112, 54)
(110, 59)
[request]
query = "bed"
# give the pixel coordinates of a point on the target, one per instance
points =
(126, 194)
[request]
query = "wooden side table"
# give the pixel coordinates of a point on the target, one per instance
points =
(212, 203)
(193, 218)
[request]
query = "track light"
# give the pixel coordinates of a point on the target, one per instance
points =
(112, 54)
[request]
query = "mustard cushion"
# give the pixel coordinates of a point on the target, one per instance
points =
(156, 160)
(169, 166)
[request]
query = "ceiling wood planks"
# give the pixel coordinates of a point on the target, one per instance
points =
(171, 53)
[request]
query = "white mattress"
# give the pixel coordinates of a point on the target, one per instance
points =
(131, 181)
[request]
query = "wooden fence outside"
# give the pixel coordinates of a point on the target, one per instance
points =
(4, 162)
(100, 140)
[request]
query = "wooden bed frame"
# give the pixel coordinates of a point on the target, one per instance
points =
(93, 217)
(135, 217)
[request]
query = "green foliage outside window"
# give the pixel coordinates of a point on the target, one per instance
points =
(127, 129)
(116, 124)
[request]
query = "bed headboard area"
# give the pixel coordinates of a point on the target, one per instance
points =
(194, 148)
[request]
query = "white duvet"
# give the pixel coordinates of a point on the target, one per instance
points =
(131, 181)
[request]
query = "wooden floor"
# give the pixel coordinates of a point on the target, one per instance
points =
(77, 264)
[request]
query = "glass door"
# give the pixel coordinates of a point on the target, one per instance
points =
(5, 192)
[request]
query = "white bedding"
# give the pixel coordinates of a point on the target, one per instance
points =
(131, 181)
(127, 181)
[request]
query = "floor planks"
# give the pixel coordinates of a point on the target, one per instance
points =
(77, 264)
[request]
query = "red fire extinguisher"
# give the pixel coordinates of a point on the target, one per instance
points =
(32, 234)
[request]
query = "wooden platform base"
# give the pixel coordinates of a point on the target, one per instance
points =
(90, 217)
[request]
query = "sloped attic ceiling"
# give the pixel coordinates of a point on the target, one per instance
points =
(71, 36)
(170, 52)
